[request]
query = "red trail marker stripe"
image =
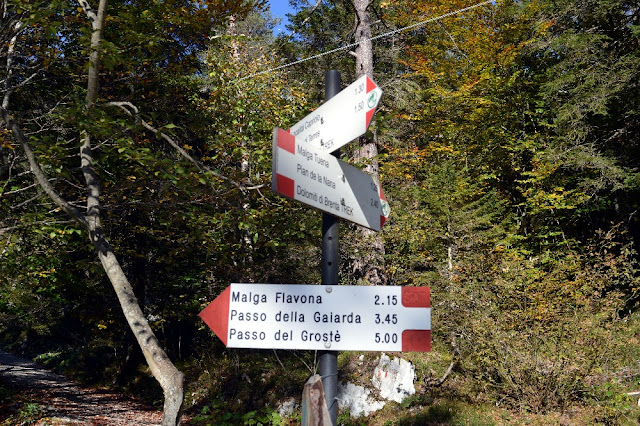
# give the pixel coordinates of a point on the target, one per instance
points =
(286, 141)
(370, 116)
(416, 341)
(286, 186)
(416, 297)
(370, 85)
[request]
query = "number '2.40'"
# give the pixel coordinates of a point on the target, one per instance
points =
(389, 300)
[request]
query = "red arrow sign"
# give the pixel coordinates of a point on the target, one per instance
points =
(313, 317)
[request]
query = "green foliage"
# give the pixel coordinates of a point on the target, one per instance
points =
(29, 413)
(259, 418)
(243, 386)
(512, 235)
(18, 409)
(508, 140)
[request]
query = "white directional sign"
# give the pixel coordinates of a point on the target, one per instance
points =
(319, 317)
(342, 118)
(322, 181)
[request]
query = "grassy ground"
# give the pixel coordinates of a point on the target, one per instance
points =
(427, 408)
(246, 389)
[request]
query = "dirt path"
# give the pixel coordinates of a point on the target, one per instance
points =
(62, 402)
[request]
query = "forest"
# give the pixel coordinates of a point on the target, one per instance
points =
(135, 186)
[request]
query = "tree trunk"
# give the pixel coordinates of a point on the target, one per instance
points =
(368, 264)
(163, 370)
(169, 377)
(245, 237)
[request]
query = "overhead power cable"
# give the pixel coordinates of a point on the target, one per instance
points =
(379, 36)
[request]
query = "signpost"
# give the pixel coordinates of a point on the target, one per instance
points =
(340, 119)
(320, 180)
(327, 318)
(311, 317)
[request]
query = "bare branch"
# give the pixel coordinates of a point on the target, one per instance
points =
(453, 40)
(17, 191)
(29, 225)
(9, 90)
(311, 13)
(24, 203)
(377, 13)
(454, 360)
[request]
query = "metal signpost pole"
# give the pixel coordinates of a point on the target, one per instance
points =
(328, 360)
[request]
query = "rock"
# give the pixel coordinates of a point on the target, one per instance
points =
(287, 406)
(634, 395)
(394, 378)
(357, 400)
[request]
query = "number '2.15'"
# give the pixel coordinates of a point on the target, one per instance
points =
(388, 300)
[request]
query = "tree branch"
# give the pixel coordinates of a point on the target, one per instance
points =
(19, 190)
(375, 10)
(41, 222)
(438, 382)
(91, 14)
(10, 49)
(37, 169)
(311, 13)
(132, 111)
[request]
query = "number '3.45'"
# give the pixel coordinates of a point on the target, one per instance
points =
(387, 319)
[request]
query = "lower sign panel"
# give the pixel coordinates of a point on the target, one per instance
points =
(314, 317)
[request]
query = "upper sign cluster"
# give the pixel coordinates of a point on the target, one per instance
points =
(305, 170)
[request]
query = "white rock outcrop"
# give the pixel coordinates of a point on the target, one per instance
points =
(357, 399)
(394, 378)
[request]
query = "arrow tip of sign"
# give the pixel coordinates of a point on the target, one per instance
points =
(370, 116)
(216, 315)
(371, 85)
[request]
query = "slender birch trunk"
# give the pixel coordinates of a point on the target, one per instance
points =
(170, 378)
